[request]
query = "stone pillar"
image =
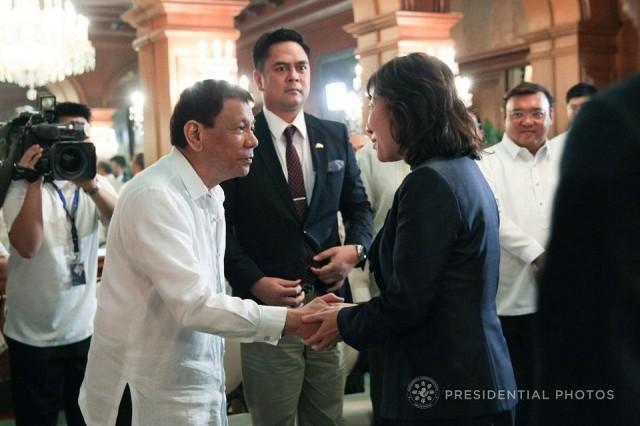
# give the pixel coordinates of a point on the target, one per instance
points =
(568, 44)
(384, 30)
(168, 36)
(567, 54)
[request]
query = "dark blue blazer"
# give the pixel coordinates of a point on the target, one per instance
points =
(264, 235)
(436, 260)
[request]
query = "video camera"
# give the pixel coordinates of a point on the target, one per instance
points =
(65, 155)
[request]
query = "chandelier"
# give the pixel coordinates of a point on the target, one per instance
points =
(42, 42)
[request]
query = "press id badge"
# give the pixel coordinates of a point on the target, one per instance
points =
(76, 267)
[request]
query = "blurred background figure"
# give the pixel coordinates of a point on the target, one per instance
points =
(104, 168)
(358, 140)
(138, 163)
(119, 168)
(578, 95)
(479, 129)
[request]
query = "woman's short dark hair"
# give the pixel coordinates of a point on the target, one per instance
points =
(426, 117)
(266, 40)
(202, 102)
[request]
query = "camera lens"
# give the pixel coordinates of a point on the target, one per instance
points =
(73, 160)
(70, 160)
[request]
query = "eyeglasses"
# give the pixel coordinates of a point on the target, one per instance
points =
(519, 115)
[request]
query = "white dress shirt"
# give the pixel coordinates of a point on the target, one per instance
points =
(162, 305)
(380, 180)
(524, 186)
(300, 142)
(43, 308)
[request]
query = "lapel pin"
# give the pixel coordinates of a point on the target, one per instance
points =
(319, 146)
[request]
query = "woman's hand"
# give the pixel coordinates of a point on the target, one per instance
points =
(328, 334)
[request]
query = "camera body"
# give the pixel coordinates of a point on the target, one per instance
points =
(65, 154)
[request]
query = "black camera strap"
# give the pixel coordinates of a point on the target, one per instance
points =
(71, 215)
(23, 173)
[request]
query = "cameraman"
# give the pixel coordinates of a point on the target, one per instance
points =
(51, 285)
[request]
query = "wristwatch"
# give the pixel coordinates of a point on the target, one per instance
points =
(362, 255)
(93, 191)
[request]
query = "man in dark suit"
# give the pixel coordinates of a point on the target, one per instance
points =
(590, 289)
(283, 246)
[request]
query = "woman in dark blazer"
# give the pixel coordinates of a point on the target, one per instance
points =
(436, 261)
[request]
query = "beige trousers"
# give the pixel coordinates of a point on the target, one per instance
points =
(289, 381)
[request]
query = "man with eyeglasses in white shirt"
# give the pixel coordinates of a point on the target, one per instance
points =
(522, 170)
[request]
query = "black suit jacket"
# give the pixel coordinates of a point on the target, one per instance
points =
(589, 306)
(436, 260)
(264, 235)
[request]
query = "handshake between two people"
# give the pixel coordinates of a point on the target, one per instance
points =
(317, 321)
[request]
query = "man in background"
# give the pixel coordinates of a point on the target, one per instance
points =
(522, 171)
(578, 95)
(51, 284)
(137, 165)
(119, 168)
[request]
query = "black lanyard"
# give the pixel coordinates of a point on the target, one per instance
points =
(71, 214)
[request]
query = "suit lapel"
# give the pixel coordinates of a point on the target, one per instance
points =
(317, 143)
(266, 152)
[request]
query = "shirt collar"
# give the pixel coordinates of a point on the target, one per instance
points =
(277, 124)
(514, 149)
(194, 184)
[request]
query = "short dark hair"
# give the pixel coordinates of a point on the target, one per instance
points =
(427, 118)
(581, 89)
(119, 160)
(526, 88)
(202, 102)
(72, 109)
(266, 40)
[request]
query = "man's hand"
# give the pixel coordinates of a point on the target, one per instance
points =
(538, 262)
(326, 322)
(294, 323)
(274, 291)
(104, 200)
(86, 185)
(26, 233)
(30, 157)
(342, 260)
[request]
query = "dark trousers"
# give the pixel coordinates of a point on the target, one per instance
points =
(41, 377)
(504, 418)
(518, 331)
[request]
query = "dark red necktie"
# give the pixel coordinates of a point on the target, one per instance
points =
(295, 176)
